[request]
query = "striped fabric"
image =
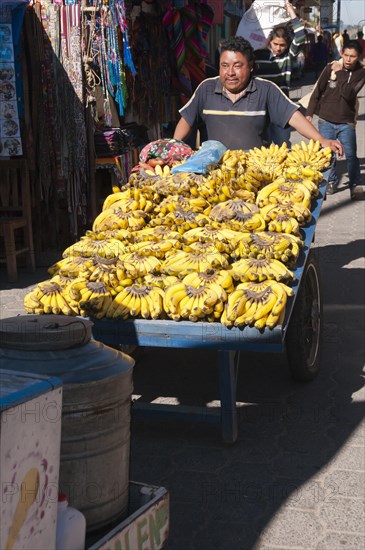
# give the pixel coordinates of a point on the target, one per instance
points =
(187, 27)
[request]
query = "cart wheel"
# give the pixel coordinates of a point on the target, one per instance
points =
(304, 334)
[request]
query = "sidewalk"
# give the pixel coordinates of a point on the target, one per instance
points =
(295, 478)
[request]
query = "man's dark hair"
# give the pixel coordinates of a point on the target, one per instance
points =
(238, 44)
(353, 45)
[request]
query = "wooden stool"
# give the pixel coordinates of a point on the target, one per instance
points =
(15, 213)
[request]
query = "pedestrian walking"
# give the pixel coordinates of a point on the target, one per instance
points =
(319, 55)
(275, 64)
(334, 101)
(345, 37)
(236, 105)
(361, 41)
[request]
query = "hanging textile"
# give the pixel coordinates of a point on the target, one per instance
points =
(187, 27)
(151, 87)
(110, 52)
(75, 152)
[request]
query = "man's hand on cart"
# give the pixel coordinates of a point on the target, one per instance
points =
(334, 144)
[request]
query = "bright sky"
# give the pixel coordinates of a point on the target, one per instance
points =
(352, 12)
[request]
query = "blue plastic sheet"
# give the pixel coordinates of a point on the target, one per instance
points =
(210, 153)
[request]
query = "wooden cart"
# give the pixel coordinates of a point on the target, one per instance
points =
(299, 337)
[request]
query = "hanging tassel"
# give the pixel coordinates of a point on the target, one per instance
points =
(128, 61)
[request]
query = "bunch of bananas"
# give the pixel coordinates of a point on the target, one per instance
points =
(224, 239)
(177, 184)
(182, 262)
(312, 186)
(272, 155)
(115, 218)
(137, 300)
(154, 248)
(90, 297)
(62, 280)
(311, 155)
(131, 199)
(256, 304)
(300, 172)
(265, 164)
(237, 189)
(240, 221)
(260, 269)
(137, 264)
(219, 280)
(224, 211)
(183, 301)
(283, 223)
(47, 297)
(268, 244)
(111, 272)
(283, 191)
(172, 203)
(159, 279)
(161, 170)
(156, 234)
(72, 266)
(180, 220)
(91, 245)
(232, 165)
(296, 210)
(219, 187)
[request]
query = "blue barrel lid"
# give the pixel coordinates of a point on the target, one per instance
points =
(44, 332)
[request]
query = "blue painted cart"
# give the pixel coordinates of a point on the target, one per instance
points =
(299, 337)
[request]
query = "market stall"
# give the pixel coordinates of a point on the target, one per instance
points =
(81, 69)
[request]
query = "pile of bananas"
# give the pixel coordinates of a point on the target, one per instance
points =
(214, 247)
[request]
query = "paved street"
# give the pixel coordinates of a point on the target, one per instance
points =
(294, 480)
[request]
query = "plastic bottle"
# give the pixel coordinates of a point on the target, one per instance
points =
(71, 526)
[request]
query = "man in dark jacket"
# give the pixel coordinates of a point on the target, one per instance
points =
(334, 101)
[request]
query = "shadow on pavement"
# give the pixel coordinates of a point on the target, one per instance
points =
(228, 496)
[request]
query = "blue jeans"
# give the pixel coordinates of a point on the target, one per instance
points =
(278, 135)
(346, 134)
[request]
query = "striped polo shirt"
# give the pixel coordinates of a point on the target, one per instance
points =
(239, 125)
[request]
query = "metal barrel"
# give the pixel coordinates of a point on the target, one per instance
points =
(97, 389)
